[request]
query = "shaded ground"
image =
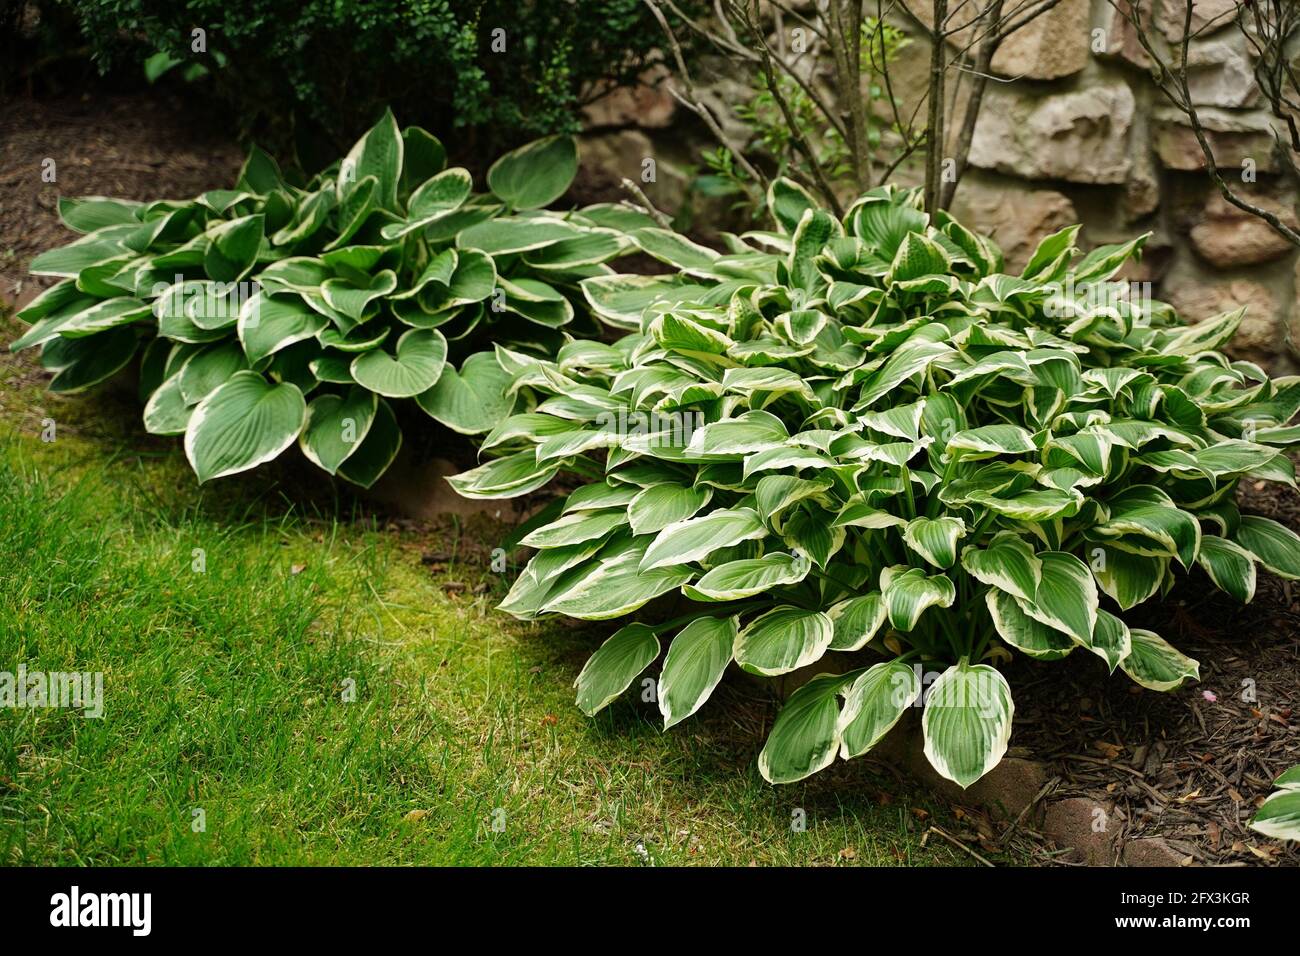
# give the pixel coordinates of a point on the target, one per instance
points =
(143, 146)
(1189, 766)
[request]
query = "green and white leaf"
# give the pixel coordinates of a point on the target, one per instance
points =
(966, 722)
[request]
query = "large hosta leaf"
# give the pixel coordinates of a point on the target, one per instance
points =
(269, 323)
(107, 314)
(935, 539)
(1230, 566)
(378, 154)
(1023, 632)
(695, 538)
(1067, 596)
(337, 426)
(696, 661)
(967, 722)
(658, 506)
(613, 667)
(856, 621)
(1155, 664)
(1275, 546)
(1279, 816)
(1127, 577)
(782, 640)
(383, 440)
(508, 477)
(242, 424)
(536, 174)
(908, 592)
(415, 368)
(86, 362)
(1008, 563)
(747, 577)
(805, 736)
(474, 399)
(617, 587)
(873, 704)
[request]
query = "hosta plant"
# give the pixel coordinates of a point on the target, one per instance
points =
(863, 434)
(1279, 815)
(273, 313)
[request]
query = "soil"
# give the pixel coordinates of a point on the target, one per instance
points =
(1190, 766)
(128, 146)
(1187, 767)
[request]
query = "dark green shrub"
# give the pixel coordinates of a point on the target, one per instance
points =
(332, 66)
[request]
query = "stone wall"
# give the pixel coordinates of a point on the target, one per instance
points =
(1072, 130)
(1080, 132)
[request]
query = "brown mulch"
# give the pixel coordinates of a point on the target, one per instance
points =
(1189, 766)
(128, 146)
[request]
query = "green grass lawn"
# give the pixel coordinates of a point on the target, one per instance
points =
(314, 694)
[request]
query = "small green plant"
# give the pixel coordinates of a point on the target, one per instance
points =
(1279, 816)
(273, 313)
(862, 433)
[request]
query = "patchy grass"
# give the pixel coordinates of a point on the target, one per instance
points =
(283, 662)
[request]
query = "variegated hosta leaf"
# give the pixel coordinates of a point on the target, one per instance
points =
(1279, 816)
(1273, 545)
(747, 577)
(805, 736)
(1111, 639)
(269, 323)
(574, 528)
(1007, 563)
(935, 539)
(658, 506)
(967, 722)
(1128, 578)
(1230, 566)
(856, 621)
(616, 587)
(336, 426)
(695, 663)
(873, 704)
(536, 174)
(472, 400)
(414, 368)
(990, 440)
(1067, 596)
(613, 667)
(908, 592)
(507, 477)
(751, 432)
(1149, 512)
(782, 640)
(695, 538)
(1022, 632)
(377, 450)
(242, 424)
(1155, 664)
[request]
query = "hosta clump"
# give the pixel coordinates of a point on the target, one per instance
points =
(273, 312)
(863, 434)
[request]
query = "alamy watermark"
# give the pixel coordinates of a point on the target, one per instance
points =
(72, 690)
(1066, 300)
(210, 301)
(650, 429)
